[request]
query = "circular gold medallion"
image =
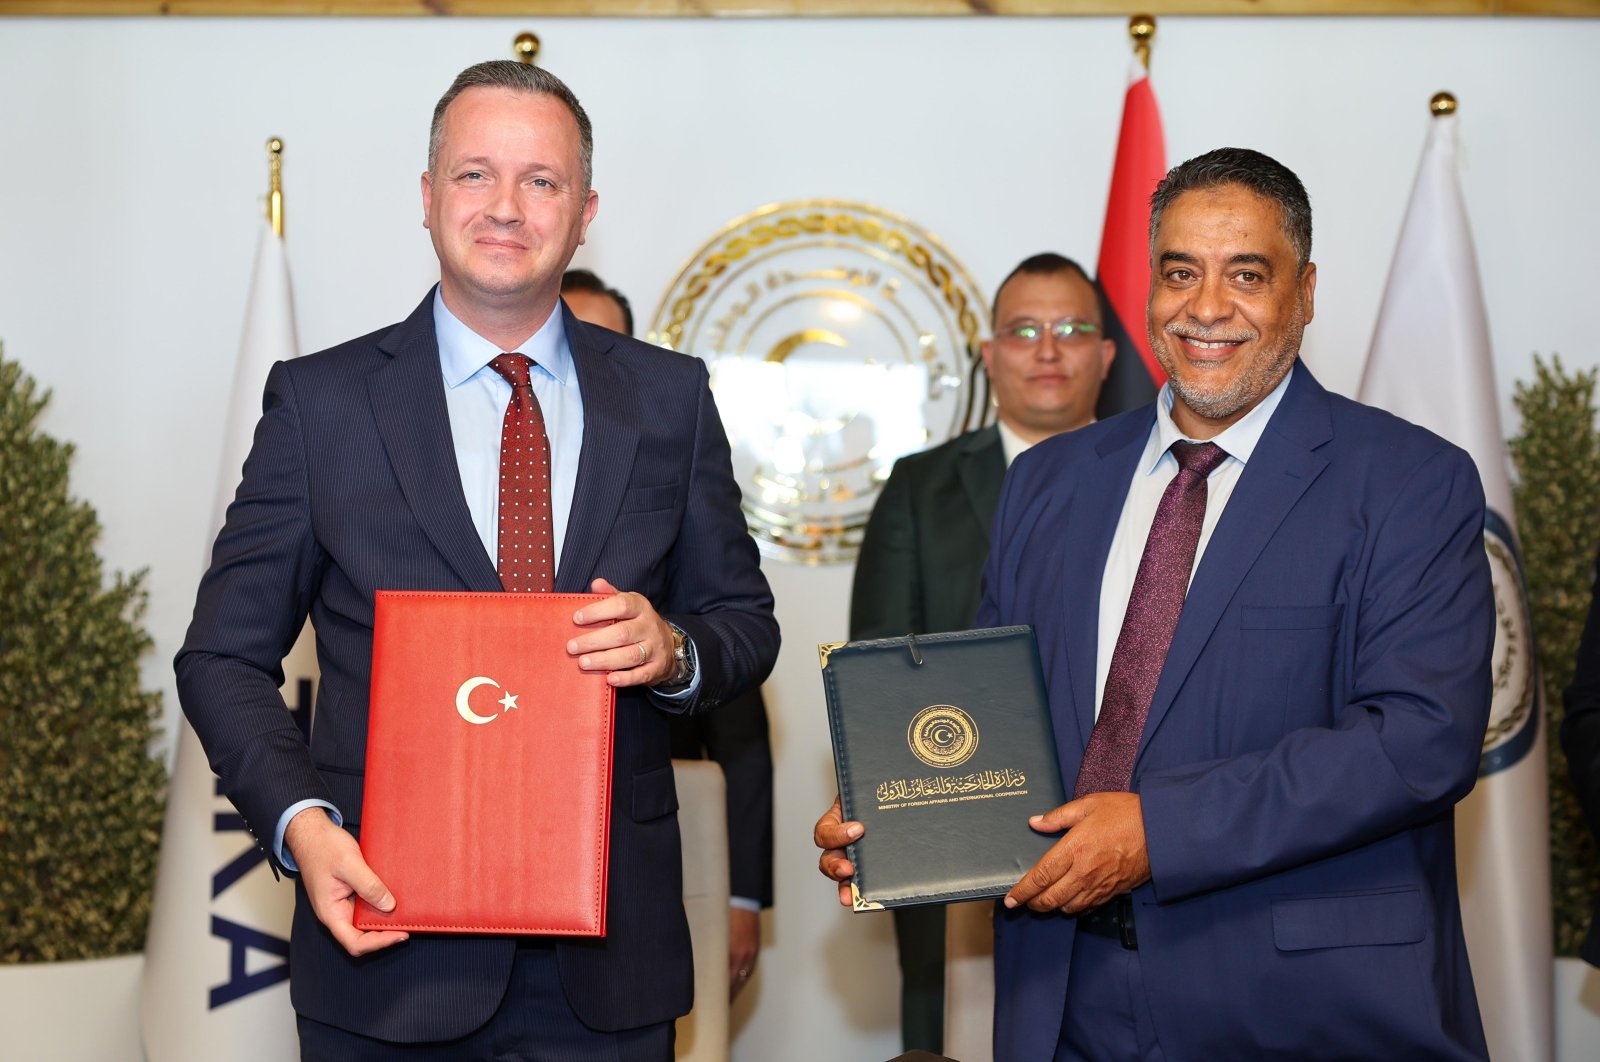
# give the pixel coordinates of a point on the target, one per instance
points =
(839, 338)
(942, 735)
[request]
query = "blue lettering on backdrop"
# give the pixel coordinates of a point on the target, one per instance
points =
(241, 938)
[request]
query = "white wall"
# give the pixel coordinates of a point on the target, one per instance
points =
(131, 164)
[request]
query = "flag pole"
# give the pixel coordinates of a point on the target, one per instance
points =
(275, 192)
(1142, 28)
(1442, 104)
(526, 47)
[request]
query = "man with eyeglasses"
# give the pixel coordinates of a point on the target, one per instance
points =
(922, 556)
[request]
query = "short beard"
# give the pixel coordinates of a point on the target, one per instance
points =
(1248, 388)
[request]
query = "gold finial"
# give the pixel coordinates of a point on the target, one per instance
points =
(1442, 104)
(526, 47)
(275, 192)
(1142, 28)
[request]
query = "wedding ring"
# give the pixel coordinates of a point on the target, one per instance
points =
(644, 654)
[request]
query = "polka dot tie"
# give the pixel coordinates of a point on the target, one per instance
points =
(527, 543)
(1147, 628)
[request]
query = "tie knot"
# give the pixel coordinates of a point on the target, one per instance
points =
(514, 368)
(1199, 458)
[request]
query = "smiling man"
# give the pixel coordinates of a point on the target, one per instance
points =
(1265, 620)
(377, 465)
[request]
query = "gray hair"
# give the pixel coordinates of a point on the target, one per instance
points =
(518, 77)
(1261, 174)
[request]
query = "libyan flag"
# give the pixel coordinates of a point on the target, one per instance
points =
(1124, 266)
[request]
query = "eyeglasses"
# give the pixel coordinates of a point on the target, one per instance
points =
(1066, 330)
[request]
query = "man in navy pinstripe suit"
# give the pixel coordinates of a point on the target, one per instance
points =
(375, 466)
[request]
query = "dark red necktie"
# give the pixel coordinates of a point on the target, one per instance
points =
(1153, 609)
(527, 541)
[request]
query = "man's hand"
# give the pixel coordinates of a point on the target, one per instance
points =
(334, 874)
(831, 835)
(744, 944)
(635, 646)
(1103, 854)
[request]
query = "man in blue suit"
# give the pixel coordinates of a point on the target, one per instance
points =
(1266, 719)
(376, 466)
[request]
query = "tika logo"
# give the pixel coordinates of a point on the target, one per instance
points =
(464, 700)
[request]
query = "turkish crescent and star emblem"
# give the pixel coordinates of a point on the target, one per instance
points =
(464, 700)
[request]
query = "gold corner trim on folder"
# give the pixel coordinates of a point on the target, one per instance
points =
(860, 903)
(824, 648)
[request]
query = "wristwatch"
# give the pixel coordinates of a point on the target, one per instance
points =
(682, 662)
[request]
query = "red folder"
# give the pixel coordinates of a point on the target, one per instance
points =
(488, 782)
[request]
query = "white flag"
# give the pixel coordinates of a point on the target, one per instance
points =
(217, 958)
(1430, 363)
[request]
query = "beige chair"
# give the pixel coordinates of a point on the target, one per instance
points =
(703, 821)
(969, 981)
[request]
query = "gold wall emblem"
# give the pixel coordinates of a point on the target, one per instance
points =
(839, 338)
(942, 735)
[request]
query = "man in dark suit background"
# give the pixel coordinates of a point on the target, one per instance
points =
(1580, 740)
(735, 736)
(922, 555)
(376, 465)
(1265, 619)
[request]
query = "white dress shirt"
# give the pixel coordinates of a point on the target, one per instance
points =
(1156, 468)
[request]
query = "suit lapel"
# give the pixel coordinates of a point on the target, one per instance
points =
(1282, 468)
(408, 405)
(611, 418)
(982, 468)
(1091, 523)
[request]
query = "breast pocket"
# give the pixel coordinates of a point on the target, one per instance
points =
(1290, 650)
(649, 499)
(1291, 617)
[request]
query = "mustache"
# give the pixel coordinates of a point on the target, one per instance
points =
(1211, 335)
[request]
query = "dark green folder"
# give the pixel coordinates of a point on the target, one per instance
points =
(943, 748)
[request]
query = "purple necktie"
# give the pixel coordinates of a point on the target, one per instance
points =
(527, 542)
(1153, 608)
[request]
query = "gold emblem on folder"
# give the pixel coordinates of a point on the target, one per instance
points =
(942, 735)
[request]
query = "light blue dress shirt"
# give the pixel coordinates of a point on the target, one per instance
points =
(477, 396)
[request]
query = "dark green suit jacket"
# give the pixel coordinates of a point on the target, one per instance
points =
(921, 561)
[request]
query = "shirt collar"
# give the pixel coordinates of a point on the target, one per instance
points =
(463, 353)
(1012, 444)
(1239, 439)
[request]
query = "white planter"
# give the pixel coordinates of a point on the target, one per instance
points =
(72, 1011)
